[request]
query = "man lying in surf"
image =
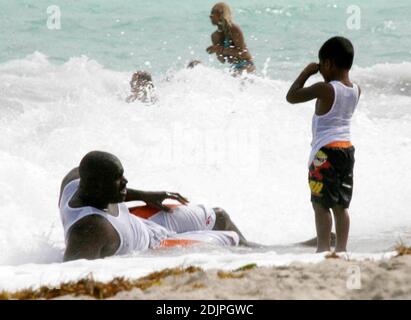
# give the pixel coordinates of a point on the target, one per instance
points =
(142, 88)
(228, 41)
(97, 223)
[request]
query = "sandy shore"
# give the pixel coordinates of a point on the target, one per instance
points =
(326, 280)
(333, 278)
(330, 279)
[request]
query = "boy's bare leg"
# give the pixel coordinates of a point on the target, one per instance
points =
(323, 223)
(342, 228)
(313, 241)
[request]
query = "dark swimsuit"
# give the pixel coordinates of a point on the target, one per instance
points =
(242, 64)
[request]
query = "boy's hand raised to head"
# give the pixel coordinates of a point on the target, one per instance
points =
(311, 69)
(320, 90)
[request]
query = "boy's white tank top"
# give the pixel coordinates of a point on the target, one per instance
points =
(335, 125)
(135, 234)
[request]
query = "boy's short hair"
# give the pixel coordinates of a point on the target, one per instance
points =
(339, 50)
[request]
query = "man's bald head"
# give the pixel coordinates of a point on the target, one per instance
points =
(98, 167)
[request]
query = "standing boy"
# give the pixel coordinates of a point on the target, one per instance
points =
(331, 160)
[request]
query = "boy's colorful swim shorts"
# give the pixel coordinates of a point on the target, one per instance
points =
(331, 177)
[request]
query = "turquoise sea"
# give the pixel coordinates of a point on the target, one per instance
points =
(159, 35)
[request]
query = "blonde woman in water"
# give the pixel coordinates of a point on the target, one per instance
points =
(228, 41)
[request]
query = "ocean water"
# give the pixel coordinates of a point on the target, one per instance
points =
(221, 141)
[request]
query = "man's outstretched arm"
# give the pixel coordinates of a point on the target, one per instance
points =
(154, 198)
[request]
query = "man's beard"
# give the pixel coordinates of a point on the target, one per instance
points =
(116, 198)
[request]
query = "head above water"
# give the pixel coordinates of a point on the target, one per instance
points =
(141, 80)
(101, 178)
(221, 15)
(336, 55)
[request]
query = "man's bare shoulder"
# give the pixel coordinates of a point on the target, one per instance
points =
(91, 226)
(93, 229)
(92, 237)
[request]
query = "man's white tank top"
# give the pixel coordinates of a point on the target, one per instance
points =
(135, 234)
(335, 125)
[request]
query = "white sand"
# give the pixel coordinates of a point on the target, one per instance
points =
(386, 279)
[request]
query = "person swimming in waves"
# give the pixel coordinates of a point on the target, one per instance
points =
(142, 88)
(228, 41)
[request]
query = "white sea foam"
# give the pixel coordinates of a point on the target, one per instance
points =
(216, 139)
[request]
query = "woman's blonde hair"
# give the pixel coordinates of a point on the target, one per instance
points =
(227, 17)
